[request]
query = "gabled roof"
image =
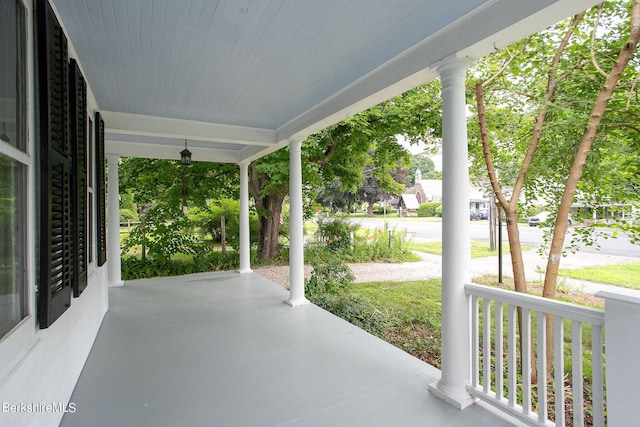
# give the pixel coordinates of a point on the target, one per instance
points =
(431, 187)
(410, 201)
(239, 78)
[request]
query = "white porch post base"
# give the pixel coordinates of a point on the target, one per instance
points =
(296, 231)
(297, 302)
(460, 401)
(114, 274)
(245, 232)
(456, 239)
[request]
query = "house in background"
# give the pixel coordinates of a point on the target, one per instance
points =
(430, 190)
(407, 205)
(83, 82)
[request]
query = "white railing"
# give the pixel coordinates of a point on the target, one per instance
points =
(504, 379)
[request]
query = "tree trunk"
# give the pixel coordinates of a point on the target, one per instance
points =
(268, 245)
(579, 161)
(269, 209)
(370, 208)
(223, 235)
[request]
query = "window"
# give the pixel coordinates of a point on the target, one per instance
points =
(14, 164)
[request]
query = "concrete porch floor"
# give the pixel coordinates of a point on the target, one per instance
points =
(217, 349)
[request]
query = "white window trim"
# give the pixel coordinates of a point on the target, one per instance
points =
(18, 342)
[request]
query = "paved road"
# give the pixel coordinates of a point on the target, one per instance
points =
(620, 246)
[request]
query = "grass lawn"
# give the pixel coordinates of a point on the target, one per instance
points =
(393, 217)
(625, 275)
(413, 313)
(478, 249)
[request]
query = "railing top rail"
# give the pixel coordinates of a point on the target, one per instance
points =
(533, 302)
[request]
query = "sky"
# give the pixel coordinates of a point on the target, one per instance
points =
(415, 149)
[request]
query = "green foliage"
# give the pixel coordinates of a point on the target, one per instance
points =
(347, 150)
(127, 201)
(354, 310)
(330, 277)
(209, 220)
(426, 166)
(610, 175)
(369, 245)
(134, 267)
(380, 210)
(128, 215)
(336, 233)
(430, 209)
(163, 232)
(165, 181)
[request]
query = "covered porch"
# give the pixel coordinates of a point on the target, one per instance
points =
(223, 349)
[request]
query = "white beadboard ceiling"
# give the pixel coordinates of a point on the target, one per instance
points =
(239, 78)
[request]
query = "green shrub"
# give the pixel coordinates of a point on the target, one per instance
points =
(354, 310)
(336, 234)
(380, 210)
(128, 215)
(209, 221)
(163, 233)
(369, 245)
(134, 267)
(329, 277)
(429, 209)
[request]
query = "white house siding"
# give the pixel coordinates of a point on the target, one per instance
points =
(48, 373)
(40, 367)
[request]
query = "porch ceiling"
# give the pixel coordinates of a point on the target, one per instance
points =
(254, 74)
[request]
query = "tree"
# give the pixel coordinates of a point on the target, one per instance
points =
(553, 129)
(167, 181)
(162, 189)
(425, 165)
(372, 190)
(341, 151)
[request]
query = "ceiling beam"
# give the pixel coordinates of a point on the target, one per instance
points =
(198, 154)
(138, 124)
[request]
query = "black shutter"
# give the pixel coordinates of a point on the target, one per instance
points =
(56, 186)
(78, 114)
(101, 211)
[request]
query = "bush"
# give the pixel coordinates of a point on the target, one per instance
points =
(163, 234)
(134, 267)
(128, 214)
(209, 219)
(336, 234)
(329, 277)
(429, 209)
(368, 245)
(354, 310)
(380, 210)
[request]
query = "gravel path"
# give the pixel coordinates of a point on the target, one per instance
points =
(431, 267)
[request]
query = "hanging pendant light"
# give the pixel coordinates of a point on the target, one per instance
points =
(185, 155)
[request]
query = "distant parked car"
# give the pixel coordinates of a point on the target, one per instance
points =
(474, 216)
(484, 214)
(535, 220)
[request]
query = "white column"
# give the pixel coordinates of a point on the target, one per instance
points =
(113, 223)
(245, 233)
(456, 245)
(622, 338)
(296, 232)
